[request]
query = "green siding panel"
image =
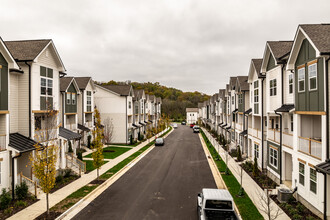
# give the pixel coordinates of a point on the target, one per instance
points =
(271, 62)
(4, 84)
(309, 100)
(71, 108)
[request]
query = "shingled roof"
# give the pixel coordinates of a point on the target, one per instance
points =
(257, 64)
(82, 82)
(122, 90)
(191, 109)
(280, 49)
(232, 81)
(26, 49)
(319, 35)
(65, 83)
(21, 143)
(243, 83)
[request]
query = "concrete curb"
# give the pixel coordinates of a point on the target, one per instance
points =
(81, 204)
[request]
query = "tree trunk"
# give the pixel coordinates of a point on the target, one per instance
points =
(47, 202)
(97, 173)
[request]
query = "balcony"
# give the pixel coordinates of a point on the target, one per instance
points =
(254, 132)
(2, 142)
(274, 135)
(310, 147)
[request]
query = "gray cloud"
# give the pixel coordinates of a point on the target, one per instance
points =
(187, 44)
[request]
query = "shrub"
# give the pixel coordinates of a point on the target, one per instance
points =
(131, 140)
(310, 218)
(59, 179)
(8, 211)
(70, 147)
(291, 200)
(20, 203)
(22, 191)
(89, 138)
(255, 170)
(5, 199)
(288, 206)
(300, 208)
(293, 211)
(67, 173)
(297, 216)
(239, 153)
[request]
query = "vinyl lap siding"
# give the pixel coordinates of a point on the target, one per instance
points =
(23, 102)
(13, 102)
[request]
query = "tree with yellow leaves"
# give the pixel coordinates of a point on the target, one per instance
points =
(97, 155)
(43, 159)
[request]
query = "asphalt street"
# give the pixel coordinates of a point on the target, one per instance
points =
(163, 185)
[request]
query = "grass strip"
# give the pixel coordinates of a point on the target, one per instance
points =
(244, 204)
(117, 151)
(89, 165)
(74, 197)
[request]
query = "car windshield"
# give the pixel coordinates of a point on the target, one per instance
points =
(159, 140)
(217, 214)
(196, 127)
(216, 204)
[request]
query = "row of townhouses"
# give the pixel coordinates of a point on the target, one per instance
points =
(33, 82)
(279, 114)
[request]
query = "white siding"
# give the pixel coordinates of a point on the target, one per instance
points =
(23, 102)
(288, 98)
(273, 102)
(13, 102)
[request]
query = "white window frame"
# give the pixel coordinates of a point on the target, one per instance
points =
(256, 96)
(129, 105)
(309, 77)
(273, 157)
(73, 98)
(88, 100)
(312, 180)
(272, 87)
(290, 83)
(68, 98)
(301, 174)
(301, 71)
(256, 150)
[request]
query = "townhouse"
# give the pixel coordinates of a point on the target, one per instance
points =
(192, 115)
(115, 104)
(85, 108)
(281, 116)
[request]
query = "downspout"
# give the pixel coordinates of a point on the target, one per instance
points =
(63, 109)
(13, 174)
(262, 123)
(30, 130)
(280, 150)
(82, 108)
(327, 132)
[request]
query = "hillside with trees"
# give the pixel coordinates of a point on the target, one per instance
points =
(174, 100)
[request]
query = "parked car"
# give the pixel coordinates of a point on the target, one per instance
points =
(175, 125)
(192, 125)
(196, 129)
(159, 142)
(183, 123)
(215, 204)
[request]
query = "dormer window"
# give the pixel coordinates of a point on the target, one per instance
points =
(312, 76)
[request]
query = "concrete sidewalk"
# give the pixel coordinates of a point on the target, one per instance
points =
(39, 207)
(250, 186)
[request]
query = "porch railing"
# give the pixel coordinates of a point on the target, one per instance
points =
(75, 164)
(274, 135)
(32, 185)
(310, 146)
(2, 142)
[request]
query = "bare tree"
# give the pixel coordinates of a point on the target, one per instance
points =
(239, 171)
(108, 130)
(266, 205)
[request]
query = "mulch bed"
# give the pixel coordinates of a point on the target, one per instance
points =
(67, 181)
(52, 215)
(109, 151)
(300, 209)
(29, 202)
(97, 182)
(262, 179)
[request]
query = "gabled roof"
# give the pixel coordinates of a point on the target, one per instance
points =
(232, 82)
(122, 90)
(7, 55)
(21, 143)
(191, 109)
(29, 50)
(319, 34)
(242, 82)
(83, 82)
(152, 98)
(280, 49)
(222, 93)
(255, 66)
(159, 100)
(65, 82)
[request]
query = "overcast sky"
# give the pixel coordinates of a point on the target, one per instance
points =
(192, 45)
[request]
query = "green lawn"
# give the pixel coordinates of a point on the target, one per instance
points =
(111, 155)
(244, 204)
(89, 165)
(129, 145)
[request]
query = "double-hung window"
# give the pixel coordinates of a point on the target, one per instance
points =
(273, 157)
(46, 88)
(89, 101)
(301, 173)
(256, 150)
(233, 100)
(256, 96)
(272, 87)
(291, 83)
(313, 180)
(73, 98)
(312, 76)
(68, 98)
(240, 98)
(129, 105)
(301, 79)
